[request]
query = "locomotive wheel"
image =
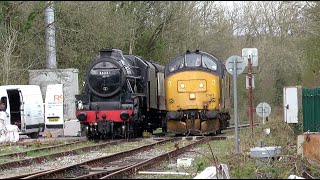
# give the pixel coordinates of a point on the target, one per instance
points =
(92, 135)
(164, 129)
(213, 134)
(164, 125)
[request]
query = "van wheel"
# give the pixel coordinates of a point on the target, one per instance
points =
(34, 135)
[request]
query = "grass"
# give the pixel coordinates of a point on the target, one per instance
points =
(4, 160)
(14, 148)
(240, 165)
(243, 167)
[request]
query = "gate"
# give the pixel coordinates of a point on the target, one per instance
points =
(311, 109)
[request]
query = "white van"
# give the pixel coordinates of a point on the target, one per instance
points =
(23, 107)
(54, 106)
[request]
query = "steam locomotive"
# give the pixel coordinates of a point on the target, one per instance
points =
(123, 96)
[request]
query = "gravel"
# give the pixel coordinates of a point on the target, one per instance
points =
(65, 161)
(46, 165)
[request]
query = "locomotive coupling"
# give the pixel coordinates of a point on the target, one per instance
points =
(212, 114)
(173, 115)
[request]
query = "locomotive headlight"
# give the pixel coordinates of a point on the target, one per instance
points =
(80, 105)
(192, 96)
(201, 85)
(182, 86)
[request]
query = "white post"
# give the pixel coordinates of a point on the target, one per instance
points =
(235, 105)
(263, 113)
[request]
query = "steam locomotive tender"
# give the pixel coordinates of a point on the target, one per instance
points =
(123, 96)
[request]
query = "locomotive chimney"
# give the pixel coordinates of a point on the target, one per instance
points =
(115, 53)
(106, 52)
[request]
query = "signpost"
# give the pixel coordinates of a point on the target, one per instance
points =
(263, 110)
(247, 82)
(253, 52)
(251, 55)
(235, 65)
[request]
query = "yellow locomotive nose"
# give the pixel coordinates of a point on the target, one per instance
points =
(192, 96)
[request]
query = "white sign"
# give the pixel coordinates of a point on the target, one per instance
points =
(239, 63)
(263, 110)
(247, 82)
(252, 53)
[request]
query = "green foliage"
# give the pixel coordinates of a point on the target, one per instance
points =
(279, 83)
(36, 11)
(300, 122)
(200, 166)
(312, 65)
(3, 11)
(242, 171)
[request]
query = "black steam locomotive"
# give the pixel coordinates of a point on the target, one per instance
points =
(123, 96)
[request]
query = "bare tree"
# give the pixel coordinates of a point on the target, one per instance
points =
(8, 36)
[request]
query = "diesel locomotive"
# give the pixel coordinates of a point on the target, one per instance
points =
(123, 96)
(197, 94)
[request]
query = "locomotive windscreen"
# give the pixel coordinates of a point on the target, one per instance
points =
(104, 78)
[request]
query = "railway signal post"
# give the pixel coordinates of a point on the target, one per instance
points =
(263, 110)
(235, 65)
(250, 55)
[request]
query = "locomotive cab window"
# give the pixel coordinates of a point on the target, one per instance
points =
(193, 60)
(176, 64)
(209, 63)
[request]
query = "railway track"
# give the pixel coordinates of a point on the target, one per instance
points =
(25, 153)
(48, 142)
(40, 159)
(78, 169)
(93, 172)
(121, 164)
(130, 171)
(243, 126)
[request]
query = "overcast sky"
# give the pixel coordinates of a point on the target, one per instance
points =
(228, 4)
